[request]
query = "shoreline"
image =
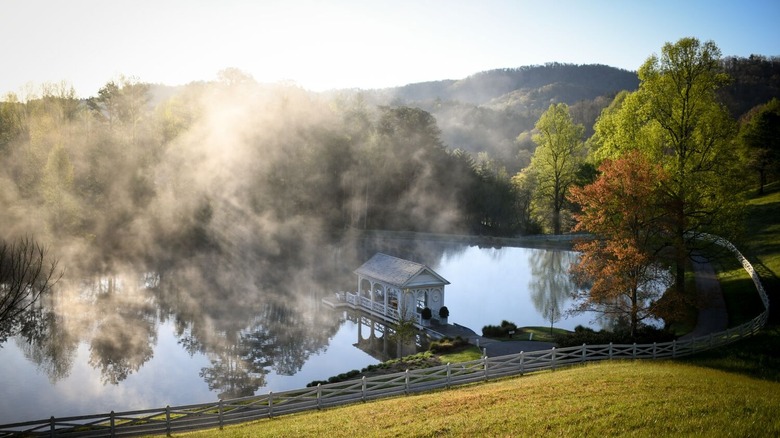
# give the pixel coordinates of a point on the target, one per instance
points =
(541, 241)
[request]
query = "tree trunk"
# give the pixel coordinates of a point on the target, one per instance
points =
(681, 258)
(556, 220)
(634, 311)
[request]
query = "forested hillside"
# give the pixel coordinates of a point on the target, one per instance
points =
(494, 111)
(137, 167)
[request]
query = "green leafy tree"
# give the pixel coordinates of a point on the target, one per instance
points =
(760, 134)
(524, 183)
(408, 172)
(676, 120)
(558, 156)
(11, 120)
(62, 203)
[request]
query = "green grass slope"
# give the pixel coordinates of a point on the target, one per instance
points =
(626, 398)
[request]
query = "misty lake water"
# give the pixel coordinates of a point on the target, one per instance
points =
(146, 340)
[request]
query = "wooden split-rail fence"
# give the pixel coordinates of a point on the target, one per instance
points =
(169, 419)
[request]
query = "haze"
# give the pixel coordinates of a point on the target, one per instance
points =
(352, 44)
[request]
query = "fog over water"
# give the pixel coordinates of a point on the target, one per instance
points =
(199, 230)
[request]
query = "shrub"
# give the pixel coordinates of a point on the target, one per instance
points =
(585, 335)
(446, 345)
(444, 312)
(426, 313)
(501, 331)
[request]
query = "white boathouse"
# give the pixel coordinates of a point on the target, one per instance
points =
(394, 288)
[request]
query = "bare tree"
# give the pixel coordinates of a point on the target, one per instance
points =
(26, 273)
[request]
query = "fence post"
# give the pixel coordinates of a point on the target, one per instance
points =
(406, 382)
(270, 404)
(522, 363)
(553, 358)
(484, 359)
(319, 395)
(674, 348)
(112, 423)
(654, 345)
(168, 420)
(633, 352)
(221, 421)
(52, 428)
(584, 352)
(610, 350)
(363, 387)
(449, 375)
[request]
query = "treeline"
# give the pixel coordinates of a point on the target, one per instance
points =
(133, 172)
(230, 160)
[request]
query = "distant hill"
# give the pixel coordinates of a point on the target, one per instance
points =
(542, 84)
(494, 111)
(755, 80)
(487, 111)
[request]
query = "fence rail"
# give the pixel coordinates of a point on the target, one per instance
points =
(198, 416)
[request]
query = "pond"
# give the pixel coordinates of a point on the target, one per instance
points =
(205, 330)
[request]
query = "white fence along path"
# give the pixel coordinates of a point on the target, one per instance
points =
(198, 416)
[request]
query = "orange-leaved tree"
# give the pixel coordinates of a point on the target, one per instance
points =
(618, 273)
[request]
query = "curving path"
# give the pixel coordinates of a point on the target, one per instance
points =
(713, 316)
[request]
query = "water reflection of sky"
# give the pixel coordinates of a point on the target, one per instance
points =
(490, 285)
(165, 379)
(170, 378)
(339, 356)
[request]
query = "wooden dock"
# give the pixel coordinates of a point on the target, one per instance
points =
(435, 330)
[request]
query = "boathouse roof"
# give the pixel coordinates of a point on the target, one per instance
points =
(399, 272)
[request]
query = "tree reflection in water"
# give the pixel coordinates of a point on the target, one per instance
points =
(47, 343)
(245, 322)
(552, 287)
(249, 314)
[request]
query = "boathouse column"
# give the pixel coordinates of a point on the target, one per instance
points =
(407, 305)
(436, 301)
(386, 300)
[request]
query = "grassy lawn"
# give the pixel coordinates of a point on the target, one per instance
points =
(758, 356)
(465, 355)
(541, 334)
(601, 399)
(762, 245)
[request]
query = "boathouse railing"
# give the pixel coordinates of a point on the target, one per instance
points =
(169, 419)
(377, 309)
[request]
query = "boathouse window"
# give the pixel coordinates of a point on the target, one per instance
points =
(421, 302)
(379, 293)
(392, 299)
(365, 288)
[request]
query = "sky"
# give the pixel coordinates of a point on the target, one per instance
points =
(327, 44)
